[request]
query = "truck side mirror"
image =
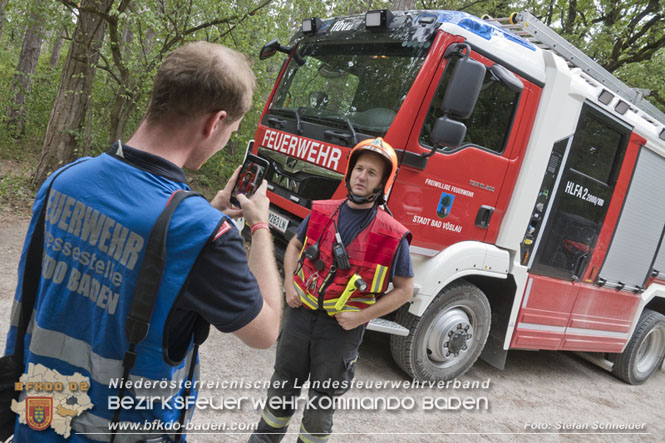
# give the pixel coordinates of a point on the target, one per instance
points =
(270, 48)
(447, 132)
(463, 88)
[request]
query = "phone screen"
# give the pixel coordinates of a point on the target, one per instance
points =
(250, 177)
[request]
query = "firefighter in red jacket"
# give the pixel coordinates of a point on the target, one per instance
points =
(341, 261)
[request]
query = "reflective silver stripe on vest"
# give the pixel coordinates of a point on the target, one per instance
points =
(97, 428)
(53, 344)
(16, 312)
(179, 376)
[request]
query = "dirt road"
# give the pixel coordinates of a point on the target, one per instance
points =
(540, 396)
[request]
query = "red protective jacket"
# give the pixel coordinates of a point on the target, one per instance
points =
(371, 255)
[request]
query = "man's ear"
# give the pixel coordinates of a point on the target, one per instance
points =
(212, 121)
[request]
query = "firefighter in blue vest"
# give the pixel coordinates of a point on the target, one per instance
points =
(99, 214)
(337, 268)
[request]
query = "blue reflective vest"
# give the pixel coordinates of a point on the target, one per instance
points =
(99, 217)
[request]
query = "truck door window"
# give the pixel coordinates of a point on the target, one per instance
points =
(598, 146)
(491, 120)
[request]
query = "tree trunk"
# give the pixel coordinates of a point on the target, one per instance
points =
(27, 63)
(56, 49)
(569, 21)
(123, 102)
(3, 5)
(123, 105)
(73, 98)
(403, 5)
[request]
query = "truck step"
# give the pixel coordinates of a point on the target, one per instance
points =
(597, 359)
(388, 327)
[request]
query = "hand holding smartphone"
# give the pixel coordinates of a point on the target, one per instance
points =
(250, 177)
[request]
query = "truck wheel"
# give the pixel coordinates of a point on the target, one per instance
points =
(447, 340)
(645, 351)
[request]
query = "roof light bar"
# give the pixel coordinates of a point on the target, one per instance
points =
(378, 19)
(311, 25)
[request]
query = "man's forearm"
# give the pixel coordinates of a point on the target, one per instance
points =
(290, 260)
(386, 304)
(262, 331)
(262, 264)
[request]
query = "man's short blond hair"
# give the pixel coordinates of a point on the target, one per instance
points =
(199, 78)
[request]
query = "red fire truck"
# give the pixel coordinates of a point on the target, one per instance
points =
(530, 177)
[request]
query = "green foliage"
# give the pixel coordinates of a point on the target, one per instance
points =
(627, 38)
(214, 174)
(38, 106)
(7, 64)
(13, 188)
(148, 30)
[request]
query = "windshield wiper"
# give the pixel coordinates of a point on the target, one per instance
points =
(345, 136)
(282, 123)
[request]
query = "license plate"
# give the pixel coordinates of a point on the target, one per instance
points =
(278, 222)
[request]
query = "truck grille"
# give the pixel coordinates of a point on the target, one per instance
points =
(298, 180)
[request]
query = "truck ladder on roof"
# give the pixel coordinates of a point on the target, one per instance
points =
(527, 26)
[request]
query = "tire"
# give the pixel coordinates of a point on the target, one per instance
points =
(447, 339)
(645, 351)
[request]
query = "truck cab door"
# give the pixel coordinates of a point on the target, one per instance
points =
(462, 192)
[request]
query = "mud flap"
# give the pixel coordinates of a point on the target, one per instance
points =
(493, 352)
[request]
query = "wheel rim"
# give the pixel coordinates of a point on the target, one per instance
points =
(651, 349)
(450, 336)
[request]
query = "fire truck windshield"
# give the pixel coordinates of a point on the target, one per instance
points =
(349, 84)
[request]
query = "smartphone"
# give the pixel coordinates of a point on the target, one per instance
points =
(250, 177)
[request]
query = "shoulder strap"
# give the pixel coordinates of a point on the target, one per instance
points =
(150, 274)
(31, 273)
(149, 279)
(147, 287)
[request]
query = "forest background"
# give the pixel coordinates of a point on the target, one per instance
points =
(76, 75)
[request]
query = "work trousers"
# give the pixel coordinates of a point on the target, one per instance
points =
(311, 345)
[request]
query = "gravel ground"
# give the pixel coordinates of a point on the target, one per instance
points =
(540, 396)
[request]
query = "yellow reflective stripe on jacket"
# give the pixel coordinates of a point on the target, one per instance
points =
(311, 438)
(369, 300)
(273, 420)
(331, 310)
(348, 309)
(305, 297)
(303, 246)
(379, 278)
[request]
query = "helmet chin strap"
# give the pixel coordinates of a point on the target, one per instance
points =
(376, 197)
